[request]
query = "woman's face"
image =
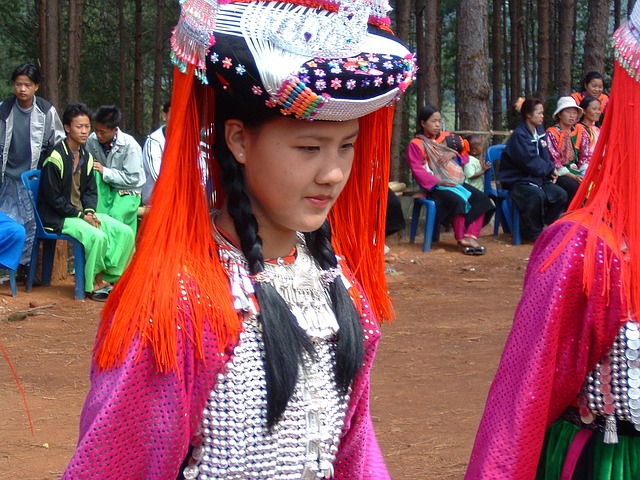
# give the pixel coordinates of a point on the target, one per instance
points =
(432, 126)
(595, 87)
(537, 116)
(294, 171)
(593, 111)
(568, 117)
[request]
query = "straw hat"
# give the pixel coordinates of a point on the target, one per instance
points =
(563, 104)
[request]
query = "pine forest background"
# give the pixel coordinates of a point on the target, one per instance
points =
(476, 57)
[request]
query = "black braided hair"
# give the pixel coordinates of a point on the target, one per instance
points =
(284, 340)
(350, 348)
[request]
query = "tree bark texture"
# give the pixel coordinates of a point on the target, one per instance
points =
(496, 64)
(74, 51)
(596, 36)
(544, 50)
(472, 62)
(403, 22)
(566, 26)
(429, 44)
(159, 52)
(515, 56)
(122, 33)
(138, 93)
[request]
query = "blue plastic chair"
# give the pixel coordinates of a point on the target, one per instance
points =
(31, 181)
(431, 230)
(12, 283)
(506, 215)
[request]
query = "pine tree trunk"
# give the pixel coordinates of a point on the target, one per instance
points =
(596, 39)
(515, 54)
(496, 72)
(123, 64)
(138, 127)
(544, 50)
(472, 65)
(566, 20)
(403, 17)
(74, 51)
(429, 32)
(158, 57)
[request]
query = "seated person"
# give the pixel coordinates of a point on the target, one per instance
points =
(526, 170)
(12, 236)
(568, 143)
(119, 164)
(67, 204)
(465, 207)
(152, 156)
(475, 169)
(592, 86)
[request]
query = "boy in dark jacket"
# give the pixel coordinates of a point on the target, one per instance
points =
(67, 204)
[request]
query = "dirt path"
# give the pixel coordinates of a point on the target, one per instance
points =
(430, 380)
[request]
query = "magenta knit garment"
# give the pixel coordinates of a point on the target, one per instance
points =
(558, 335)
(137, 423)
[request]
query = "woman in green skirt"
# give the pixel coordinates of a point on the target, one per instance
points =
(565, 401)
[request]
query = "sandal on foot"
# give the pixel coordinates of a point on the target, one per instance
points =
(479, 250)
(467, 249)
(101, 294)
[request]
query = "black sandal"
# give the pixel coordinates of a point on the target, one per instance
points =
(479, 250)
(467, 249)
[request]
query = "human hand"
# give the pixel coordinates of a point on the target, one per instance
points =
(486, 166)
(577, 178)
(554, 175)
(92, 219)
(98, 167)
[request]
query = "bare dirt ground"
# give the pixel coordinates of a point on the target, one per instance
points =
(430, 380)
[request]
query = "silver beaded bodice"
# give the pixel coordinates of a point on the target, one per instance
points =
(612, 389)
(235, 441)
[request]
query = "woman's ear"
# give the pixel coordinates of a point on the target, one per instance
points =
(235, 135)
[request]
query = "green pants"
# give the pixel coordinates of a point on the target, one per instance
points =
(122, 207)
(107, 249)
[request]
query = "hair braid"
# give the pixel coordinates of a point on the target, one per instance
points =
(350, 348)
(284, 340)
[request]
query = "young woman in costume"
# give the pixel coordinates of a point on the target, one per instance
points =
(239, 342)
(592, 86)
(565, 400)
(465, 207)
(592, 109)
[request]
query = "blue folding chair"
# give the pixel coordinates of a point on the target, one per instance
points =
(31, 181)
(431, 229)
(507, 215)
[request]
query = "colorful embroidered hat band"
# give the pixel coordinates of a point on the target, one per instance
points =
(326, 61)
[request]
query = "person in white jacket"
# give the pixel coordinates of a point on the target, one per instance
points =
(152, 155)
(29, 129)
(120, 174)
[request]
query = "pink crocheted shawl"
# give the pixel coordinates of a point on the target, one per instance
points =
(558, 335)
(137, 423)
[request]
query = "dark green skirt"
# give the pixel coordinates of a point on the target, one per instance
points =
(599, 461)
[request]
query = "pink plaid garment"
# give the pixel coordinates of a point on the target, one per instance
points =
(558, 335)
(137, 423)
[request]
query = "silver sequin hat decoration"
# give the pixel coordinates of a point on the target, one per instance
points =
(327, 60)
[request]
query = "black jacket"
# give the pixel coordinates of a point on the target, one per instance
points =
(526, 158)
(54, 197)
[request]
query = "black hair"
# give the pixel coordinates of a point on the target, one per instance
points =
(28, 69)
(108, 115)
(586, 101)
(166, 107)
(425, 114)
(591, 76)
(74, 110)
(285, 342)
(528, 106)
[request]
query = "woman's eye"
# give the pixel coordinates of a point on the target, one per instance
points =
(347, 146)
(309, 148)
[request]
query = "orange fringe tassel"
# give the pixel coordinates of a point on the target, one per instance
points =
(608, 196)
(175, 278)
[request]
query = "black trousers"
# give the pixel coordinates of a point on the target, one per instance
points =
(538, 206)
